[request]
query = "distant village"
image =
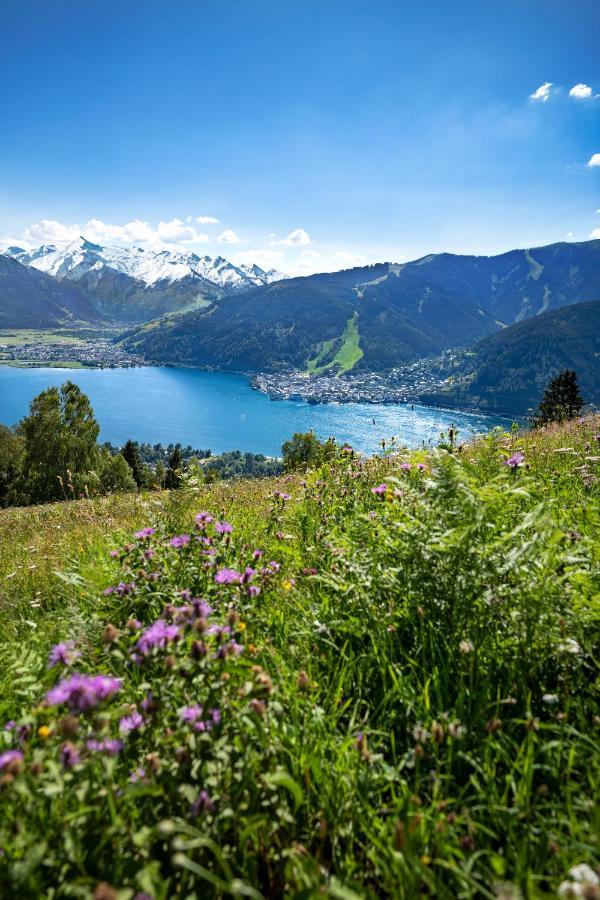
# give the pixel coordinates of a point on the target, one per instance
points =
(404, 384)
(100, 353)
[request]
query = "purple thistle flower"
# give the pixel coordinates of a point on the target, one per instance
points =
(69, 755)
(248, 574)
(9, 757)
(113, 554)
(380, 489)
(257, 554)
(421, 467)
(228, 576)
(83, 692)
(10, 725)
(144, 533)
(203, 519)
(516, 460)
(138, 774)
(156, 635)
(405, 466)
(202, 804)
(281, 495)
(202, 609)
(224, 527)
(253, 590)
(109, 746)
(191, 714)
(148, 554)
(63, 653)
(180, 540)
(133, 722)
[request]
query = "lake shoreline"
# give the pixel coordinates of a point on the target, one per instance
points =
(222, 412)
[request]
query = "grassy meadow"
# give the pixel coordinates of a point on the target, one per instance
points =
(374, 680)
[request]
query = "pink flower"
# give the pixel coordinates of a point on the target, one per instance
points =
(515, 461)
(380, 489)
(228, 576)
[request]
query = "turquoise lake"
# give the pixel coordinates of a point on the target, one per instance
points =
(221, 411)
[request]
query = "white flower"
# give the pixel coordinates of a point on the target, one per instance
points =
(550, 699)
(569, 646)
(569, 889)
(584, 873)
(466, 647)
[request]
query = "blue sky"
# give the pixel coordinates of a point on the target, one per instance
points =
(318, 133)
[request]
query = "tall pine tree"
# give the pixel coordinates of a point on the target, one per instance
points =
(562, 399)
(174, 467)
(131, 454)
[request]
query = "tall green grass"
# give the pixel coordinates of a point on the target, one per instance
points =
(414, 711)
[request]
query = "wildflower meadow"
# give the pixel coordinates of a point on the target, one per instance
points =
(373, 679)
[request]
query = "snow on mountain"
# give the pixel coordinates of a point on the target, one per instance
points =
(75, 260)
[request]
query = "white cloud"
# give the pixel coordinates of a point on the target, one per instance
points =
(266, 259)
(594, 160)
(349, 260)
(580, 91)
(595, 233)
(306, 263)
(175, 232)
(542, 93)
(49, 231)
(228, 237)
(206, 220)
(569, 234)
(297, 238)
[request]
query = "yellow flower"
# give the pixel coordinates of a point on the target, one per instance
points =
(287, 585)
(241, 626)
(44, 732)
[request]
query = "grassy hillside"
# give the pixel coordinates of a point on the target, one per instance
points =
(375, 681)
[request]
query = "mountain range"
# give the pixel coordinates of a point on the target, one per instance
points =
(390, 313)
(524, 312)
(131, 285)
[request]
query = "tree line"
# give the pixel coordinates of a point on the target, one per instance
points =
(54, 454)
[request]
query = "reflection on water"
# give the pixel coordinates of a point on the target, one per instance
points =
(221, 411)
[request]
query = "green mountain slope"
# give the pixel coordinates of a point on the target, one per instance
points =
(402, 312)
(509, 370)
(31, 299)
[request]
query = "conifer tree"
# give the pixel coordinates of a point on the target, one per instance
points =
(562, 399)
(174, 466)
(131, 454)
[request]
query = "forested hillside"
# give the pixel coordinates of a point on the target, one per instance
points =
(402, 312)
(508, 371)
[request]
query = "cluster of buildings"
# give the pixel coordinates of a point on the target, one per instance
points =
(404, 384)
(99, 353)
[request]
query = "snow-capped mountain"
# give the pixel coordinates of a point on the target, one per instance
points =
(80, 257)
(134, 284)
